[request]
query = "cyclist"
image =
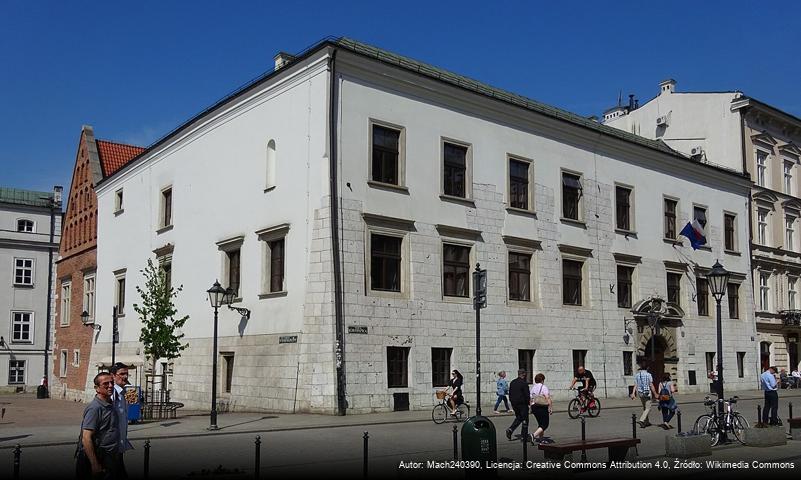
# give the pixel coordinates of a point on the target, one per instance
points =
(586, 382)
(455, 387)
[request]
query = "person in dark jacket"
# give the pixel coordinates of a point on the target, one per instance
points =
(520, 397)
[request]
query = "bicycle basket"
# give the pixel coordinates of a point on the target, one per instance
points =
(440, 394)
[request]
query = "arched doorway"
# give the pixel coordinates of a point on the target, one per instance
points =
(654, 355)
(764, 355)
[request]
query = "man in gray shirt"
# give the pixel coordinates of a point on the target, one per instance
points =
(99, 433)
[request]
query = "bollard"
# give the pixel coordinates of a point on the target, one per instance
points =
(678, 418)
(364, 467)
(257, 467)
(633, 426)
(759, 413)
(455, 443)
(147, 460)
(17, 454)
(583, 438)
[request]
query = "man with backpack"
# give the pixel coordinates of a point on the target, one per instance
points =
(644, 389)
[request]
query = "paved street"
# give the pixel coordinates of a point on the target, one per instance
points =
(298, 444)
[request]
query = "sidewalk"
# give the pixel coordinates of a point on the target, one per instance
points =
(31, 422)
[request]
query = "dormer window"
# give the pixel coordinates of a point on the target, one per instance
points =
(24, 225)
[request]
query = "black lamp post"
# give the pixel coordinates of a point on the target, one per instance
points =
(216, 296)
(718, 279)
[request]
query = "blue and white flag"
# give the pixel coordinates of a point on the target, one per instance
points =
(694, 232)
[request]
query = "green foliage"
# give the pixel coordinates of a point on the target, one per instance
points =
(159, 335)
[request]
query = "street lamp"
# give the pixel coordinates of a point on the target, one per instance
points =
(89, 323)
(718, 279)
(216, 295)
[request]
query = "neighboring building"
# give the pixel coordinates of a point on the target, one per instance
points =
(739, 132)
(30, 226)
(347, 196)
(76, 266)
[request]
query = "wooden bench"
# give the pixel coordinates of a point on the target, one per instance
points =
(618, 448)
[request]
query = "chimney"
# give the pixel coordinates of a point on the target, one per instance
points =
(667, 86)
(631, 101)
(57, 190)
(282, 58)
(636, 103)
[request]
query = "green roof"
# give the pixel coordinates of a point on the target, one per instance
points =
(28, 198)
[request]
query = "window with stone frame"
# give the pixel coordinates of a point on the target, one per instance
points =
(166, 207)
(23, 271)
(525, 361)
(788, 178)
(762, 167)
(455, 169)
(792, 293)
(397, 367)
(520, 183)
(273, 267)
(764, 291)
(66, 303)
(386, 151)
(21, 327)
(89, 296)
(789, 237)
(733, 297)
(625, 275)
(699, 214)
(233, 260)
(740, 364)
(572, 282)
(16, 372)
(710, 362)
(762, 226)
(674, 287)
(385, 262)
(455, 270)
(702, 296)
(118, 201)
(729, 231)
(579, 359)
(571, 196)
(623, 208)
(670, 218)
(228, 371)
(119, 293)
(519, 276)
(25, 225)
(440, 366)
(76, 358)
(628, 368)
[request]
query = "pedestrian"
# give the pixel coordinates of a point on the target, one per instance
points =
(455, 385)
(541, 407)
(520, 397)
(783, 379)
(644, 389)
(119, 372)
(770, 386)
(502, 390)
(667, 402)
(99, 434)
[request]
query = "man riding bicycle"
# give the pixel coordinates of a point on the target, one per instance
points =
(586, 382)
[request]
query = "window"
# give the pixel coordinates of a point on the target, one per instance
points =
(740, 364)
(440, 366)
(674, 288)
(22, 327)
(764, 291)
(789, 223)
(119, 293)
(273, 276)
(762, 159)
(525, 361)
(699, 213)
(520, 276)
(520, 183)
(733, 293)
(276, 265)
(571, 196)
(398, 367)
(455, 270)
(76, 358)
(579, 358)
(23, 271)
(624, 283)
(386, 155)
(710, 362)
(623, 208)
(628, 369)
(24, 225)
(66, 303)
(791, 292)
(118, 205)
(62, 367)
(233, 259)
(702, 296)
(227, 371)
(670, 218)
(166, 269)
(729, 230)
(16, 371)
(166, 207)
(788, 178)
(455, 169)
(762, 226)
(385, 263)
(271, 166)
(89, 296)
(691, 377)
(571, 282)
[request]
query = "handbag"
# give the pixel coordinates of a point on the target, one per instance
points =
(539, 399)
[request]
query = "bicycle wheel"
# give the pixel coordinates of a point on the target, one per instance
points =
(738, 426)
(574, 408)
(439, 414)
(462, 412)
(594, 407)
(707, 425)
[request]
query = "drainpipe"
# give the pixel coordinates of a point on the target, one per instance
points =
(338, 314)
(53, 204)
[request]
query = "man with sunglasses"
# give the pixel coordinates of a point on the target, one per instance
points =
(99, 433)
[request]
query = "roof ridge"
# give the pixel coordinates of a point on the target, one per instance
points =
(120, 143)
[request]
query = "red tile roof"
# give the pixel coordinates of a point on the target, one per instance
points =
(114, 156)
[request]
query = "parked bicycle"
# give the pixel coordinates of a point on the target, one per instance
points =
(715, 424)
(442, 411)
(583, 404)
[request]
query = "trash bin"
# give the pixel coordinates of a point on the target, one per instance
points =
(479, 445)
(41, 391)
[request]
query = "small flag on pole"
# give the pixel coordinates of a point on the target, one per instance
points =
(694, 232)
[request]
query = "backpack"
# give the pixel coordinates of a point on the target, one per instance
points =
(664, 393)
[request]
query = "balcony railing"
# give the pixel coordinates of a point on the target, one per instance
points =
(791, 318)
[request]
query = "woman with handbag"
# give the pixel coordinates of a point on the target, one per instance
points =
(667, 402)
(541, 407)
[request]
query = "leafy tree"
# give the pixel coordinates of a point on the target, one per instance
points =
(160, 329)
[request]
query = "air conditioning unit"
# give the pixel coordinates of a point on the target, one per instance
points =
(696, 151)
(662, 121)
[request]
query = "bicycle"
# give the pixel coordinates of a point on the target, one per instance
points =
(715, 424)
(583, 404)
(442, 410)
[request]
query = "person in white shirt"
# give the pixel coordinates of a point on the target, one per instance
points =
(644, 389)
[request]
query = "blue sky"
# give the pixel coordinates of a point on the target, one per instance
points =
(136, 70)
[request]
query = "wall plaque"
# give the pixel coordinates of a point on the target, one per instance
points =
(360, 329)
(288, 339)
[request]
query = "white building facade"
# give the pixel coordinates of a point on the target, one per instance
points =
(742, 133)
(365, 306)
